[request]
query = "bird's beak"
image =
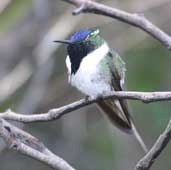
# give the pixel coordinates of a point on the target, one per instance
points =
(63, 41)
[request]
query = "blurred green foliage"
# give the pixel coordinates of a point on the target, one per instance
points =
(14, 13)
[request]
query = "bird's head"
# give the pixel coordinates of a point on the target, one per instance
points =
(81, 44)
(88, 39)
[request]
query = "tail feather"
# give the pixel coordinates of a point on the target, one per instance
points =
(120, 117)
(133, 127)
(112, 112)
(138, 138)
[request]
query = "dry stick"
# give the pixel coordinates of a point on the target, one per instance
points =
(137, 20)
(56, 113)
(146, 162)
(23, 142)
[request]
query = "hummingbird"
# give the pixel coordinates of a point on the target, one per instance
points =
(95, 69)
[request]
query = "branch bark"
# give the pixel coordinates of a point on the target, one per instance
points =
(56, 113)
(146, 162)
(137, 20)
(22, 142)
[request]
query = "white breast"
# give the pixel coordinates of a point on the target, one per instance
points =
(87, 79)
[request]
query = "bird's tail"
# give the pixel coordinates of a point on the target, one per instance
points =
(138, 137)
(117, 112)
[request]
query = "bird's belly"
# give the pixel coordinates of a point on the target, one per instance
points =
(89, 83)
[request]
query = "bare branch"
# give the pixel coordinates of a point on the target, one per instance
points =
(146, 162)
(29, 145)
(56, 113)
(80, 9)
(137, 20)
(26, 144)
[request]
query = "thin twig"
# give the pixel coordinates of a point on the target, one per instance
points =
(79, 10)
(137, 20)
(56, 113)
(146, 162)
(23, 142)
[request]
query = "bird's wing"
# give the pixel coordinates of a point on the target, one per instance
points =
(117, 66)
(116, 110)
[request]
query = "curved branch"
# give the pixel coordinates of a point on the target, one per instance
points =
(56, 113)
(146, 162)
(23, 142)
(30, 146)
(137, 20)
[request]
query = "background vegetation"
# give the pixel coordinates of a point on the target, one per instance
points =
(33, 79)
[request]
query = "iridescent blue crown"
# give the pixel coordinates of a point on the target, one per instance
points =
(80, 35)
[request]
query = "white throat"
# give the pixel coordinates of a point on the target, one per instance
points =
(91, 59)
(85, 77)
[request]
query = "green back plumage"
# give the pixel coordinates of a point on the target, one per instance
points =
(113, 68)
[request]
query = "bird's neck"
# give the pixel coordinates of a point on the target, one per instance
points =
(89, 60)
(77, 52)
